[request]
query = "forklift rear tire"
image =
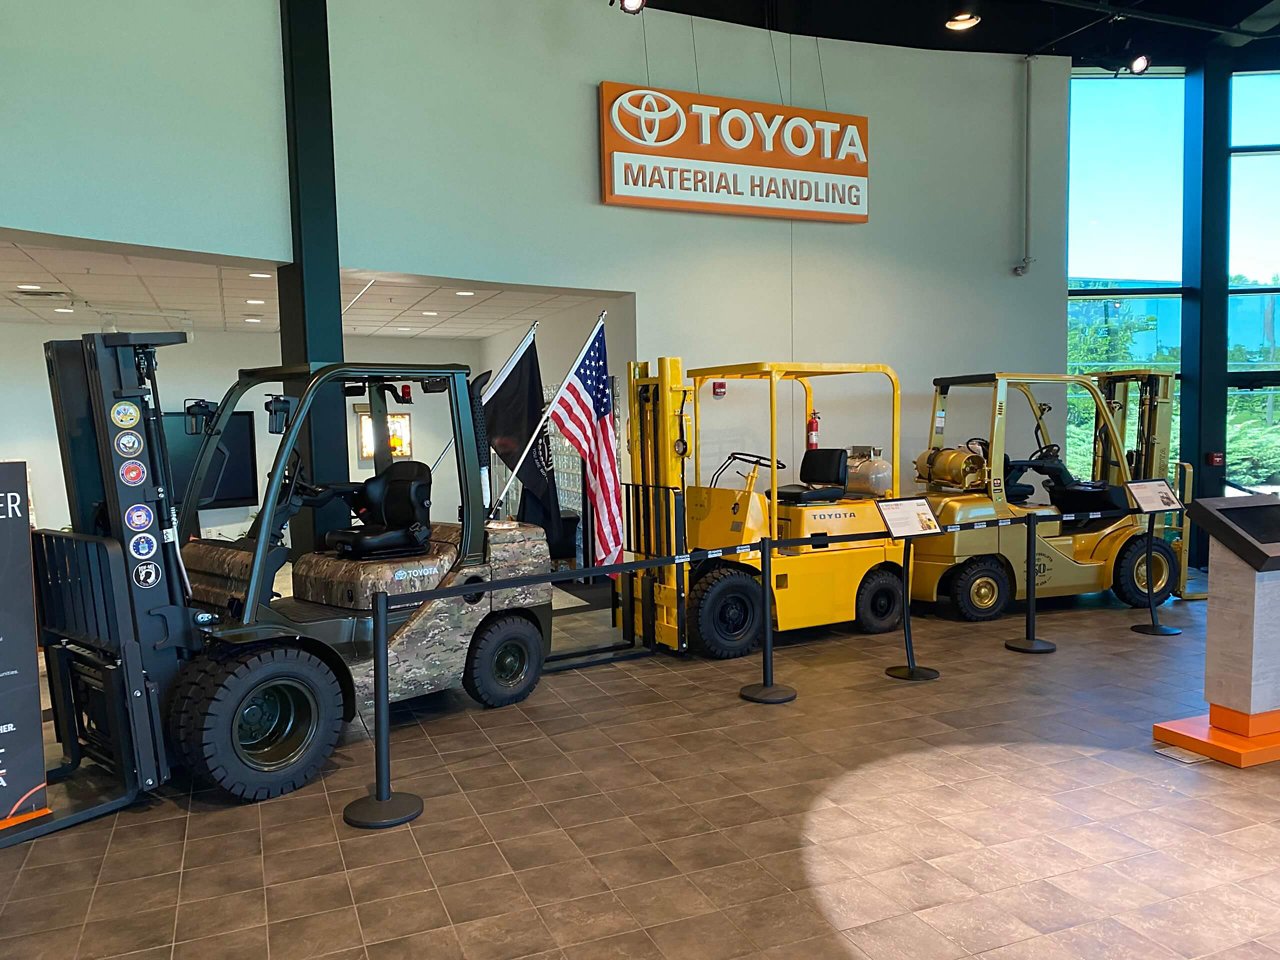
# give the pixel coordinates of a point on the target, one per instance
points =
(1130, 581)
(980, 589)
(504, 663)
(879, 603)
(261, 722)
(725, 615)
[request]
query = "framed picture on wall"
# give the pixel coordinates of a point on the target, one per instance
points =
(399, 430)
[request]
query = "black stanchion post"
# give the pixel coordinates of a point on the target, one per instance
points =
(910, 671)
(767, 691)
(1030, 644)
(1155, 628)
(383, 808)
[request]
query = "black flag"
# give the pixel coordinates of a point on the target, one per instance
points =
(511, 415)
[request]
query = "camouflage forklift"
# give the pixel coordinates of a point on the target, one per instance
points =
(720, 613)
(165, 649)
(1078, 549)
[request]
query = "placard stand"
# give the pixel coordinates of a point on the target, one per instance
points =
(906, 519)
(1152, 497)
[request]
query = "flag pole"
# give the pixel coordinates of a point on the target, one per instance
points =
(491, 387)
(546, 413)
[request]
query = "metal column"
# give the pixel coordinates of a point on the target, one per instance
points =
(309, 288)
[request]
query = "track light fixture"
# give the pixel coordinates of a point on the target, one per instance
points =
(1139, 64)
(629, 6)
(964, 20)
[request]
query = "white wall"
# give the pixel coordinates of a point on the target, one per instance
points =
(494, 176)
(156, 122)
(206, 367)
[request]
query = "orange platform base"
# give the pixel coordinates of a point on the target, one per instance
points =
(1198, 735)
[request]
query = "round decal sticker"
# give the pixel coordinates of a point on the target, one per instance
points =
(143, 545)
(139, 517)
(132, 473)
(147, 574)
(125, 414)
(128, 443)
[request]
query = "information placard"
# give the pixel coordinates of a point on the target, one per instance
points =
(22, 778)
(908, 518)
(1153, 496)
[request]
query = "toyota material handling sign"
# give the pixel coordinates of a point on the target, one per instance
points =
(689, 151)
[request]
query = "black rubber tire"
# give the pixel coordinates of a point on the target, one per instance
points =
(206, 719)
(483, 677)
(1132, 557)
(707, 611)
(970, 580)
(182, 694)
(878, 607)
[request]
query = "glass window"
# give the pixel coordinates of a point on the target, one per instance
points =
(1253, 448)
(1111, 333)
(1255, 219)
(1125, 221)
(1255, 109)
(1251, 332)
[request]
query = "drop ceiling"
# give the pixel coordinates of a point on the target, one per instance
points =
(128, 292)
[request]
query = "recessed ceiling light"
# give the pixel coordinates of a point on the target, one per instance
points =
(964, 21)
(260, 276)
(430, 313)
(252, 319)
(465, 293)
(28, 286)
(256, 303)
(404, 329)
(63, 310)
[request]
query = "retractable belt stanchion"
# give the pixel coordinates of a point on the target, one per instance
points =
(910, 671)
(1030, 644)
(1155, 628)
(767, 691)
(383, 808)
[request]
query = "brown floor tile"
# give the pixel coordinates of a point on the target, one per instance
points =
(851, 903)
(522, 822)
(300, 864)
(702, 851)
(504, 938)
(57, 878)
(736, 883)
(469, 863)
(300, 898)
(1109, 938)
(607, 836)
(47, 945)
(315, 935)
(137, 836)
(539, 850)
(589, 918)
(232, 846)
(662, 901)
(130, 865)
(61, 847)
(477, 899)
(904, 937)
(636, 865)
(401, 916)
(450, 835)
(778, 920)
(389, 880)
(131, 896)
(206, 918)
(20, 917)
(438, 944)
(806, 867)
(561, 881)
(140, 931)
(711, 936)
(380, 848)
(635, 945)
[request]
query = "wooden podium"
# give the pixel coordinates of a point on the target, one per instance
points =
(1242, 636)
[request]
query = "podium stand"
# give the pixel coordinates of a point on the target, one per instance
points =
(1242, 635)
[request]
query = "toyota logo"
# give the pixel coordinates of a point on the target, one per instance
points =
(652, 114)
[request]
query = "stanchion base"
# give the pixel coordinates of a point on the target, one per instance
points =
(912, 673)
(1155, 629)
(370, 813)
(1034, 645)
(759, 693)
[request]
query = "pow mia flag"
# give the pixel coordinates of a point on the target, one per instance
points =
(512, 412)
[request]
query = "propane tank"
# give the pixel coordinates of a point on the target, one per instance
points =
(811, 431)
(951, 467)
(870, 475)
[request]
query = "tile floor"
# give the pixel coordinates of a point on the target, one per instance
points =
(1013, 809)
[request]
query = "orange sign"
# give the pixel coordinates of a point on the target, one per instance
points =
(688, 151)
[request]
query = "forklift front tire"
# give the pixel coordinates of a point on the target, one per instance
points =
(260, 722)
(879, 604)
(980, 589)
(1130, 581)
(504, 663)
(725, 613)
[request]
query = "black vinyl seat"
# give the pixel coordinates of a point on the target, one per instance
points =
(823, 474)
(395, 512)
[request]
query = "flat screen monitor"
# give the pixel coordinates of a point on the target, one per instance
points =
(232, 481)
(1261, 522)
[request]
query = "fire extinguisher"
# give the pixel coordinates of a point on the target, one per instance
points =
(811, 431)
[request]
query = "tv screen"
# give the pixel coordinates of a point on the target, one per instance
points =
(232, 481)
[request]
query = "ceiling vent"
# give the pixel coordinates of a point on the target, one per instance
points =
(40, 295)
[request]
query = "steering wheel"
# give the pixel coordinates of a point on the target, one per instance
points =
(983, 444)
(751, 459)
(1050, 451)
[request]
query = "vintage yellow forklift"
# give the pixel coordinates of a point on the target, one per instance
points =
(716, 608)
(1080, 549)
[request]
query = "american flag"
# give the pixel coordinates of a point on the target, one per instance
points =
(583, 410)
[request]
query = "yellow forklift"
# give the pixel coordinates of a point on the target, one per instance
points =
(720, 613)
(1079, 548)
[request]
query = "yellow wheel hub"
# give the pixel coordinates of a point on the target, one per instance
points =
(1161, 567)
(984, 593)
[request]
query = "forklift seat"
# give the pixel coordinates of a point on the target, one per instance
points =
(394, 508)
(823, 475)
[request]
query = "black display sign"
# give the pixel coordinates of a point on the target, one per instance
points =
(22, 776)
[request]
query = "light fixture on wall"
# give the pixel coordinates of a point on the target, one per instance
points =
(630, 6)
(963, 20)
(1140, 64)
